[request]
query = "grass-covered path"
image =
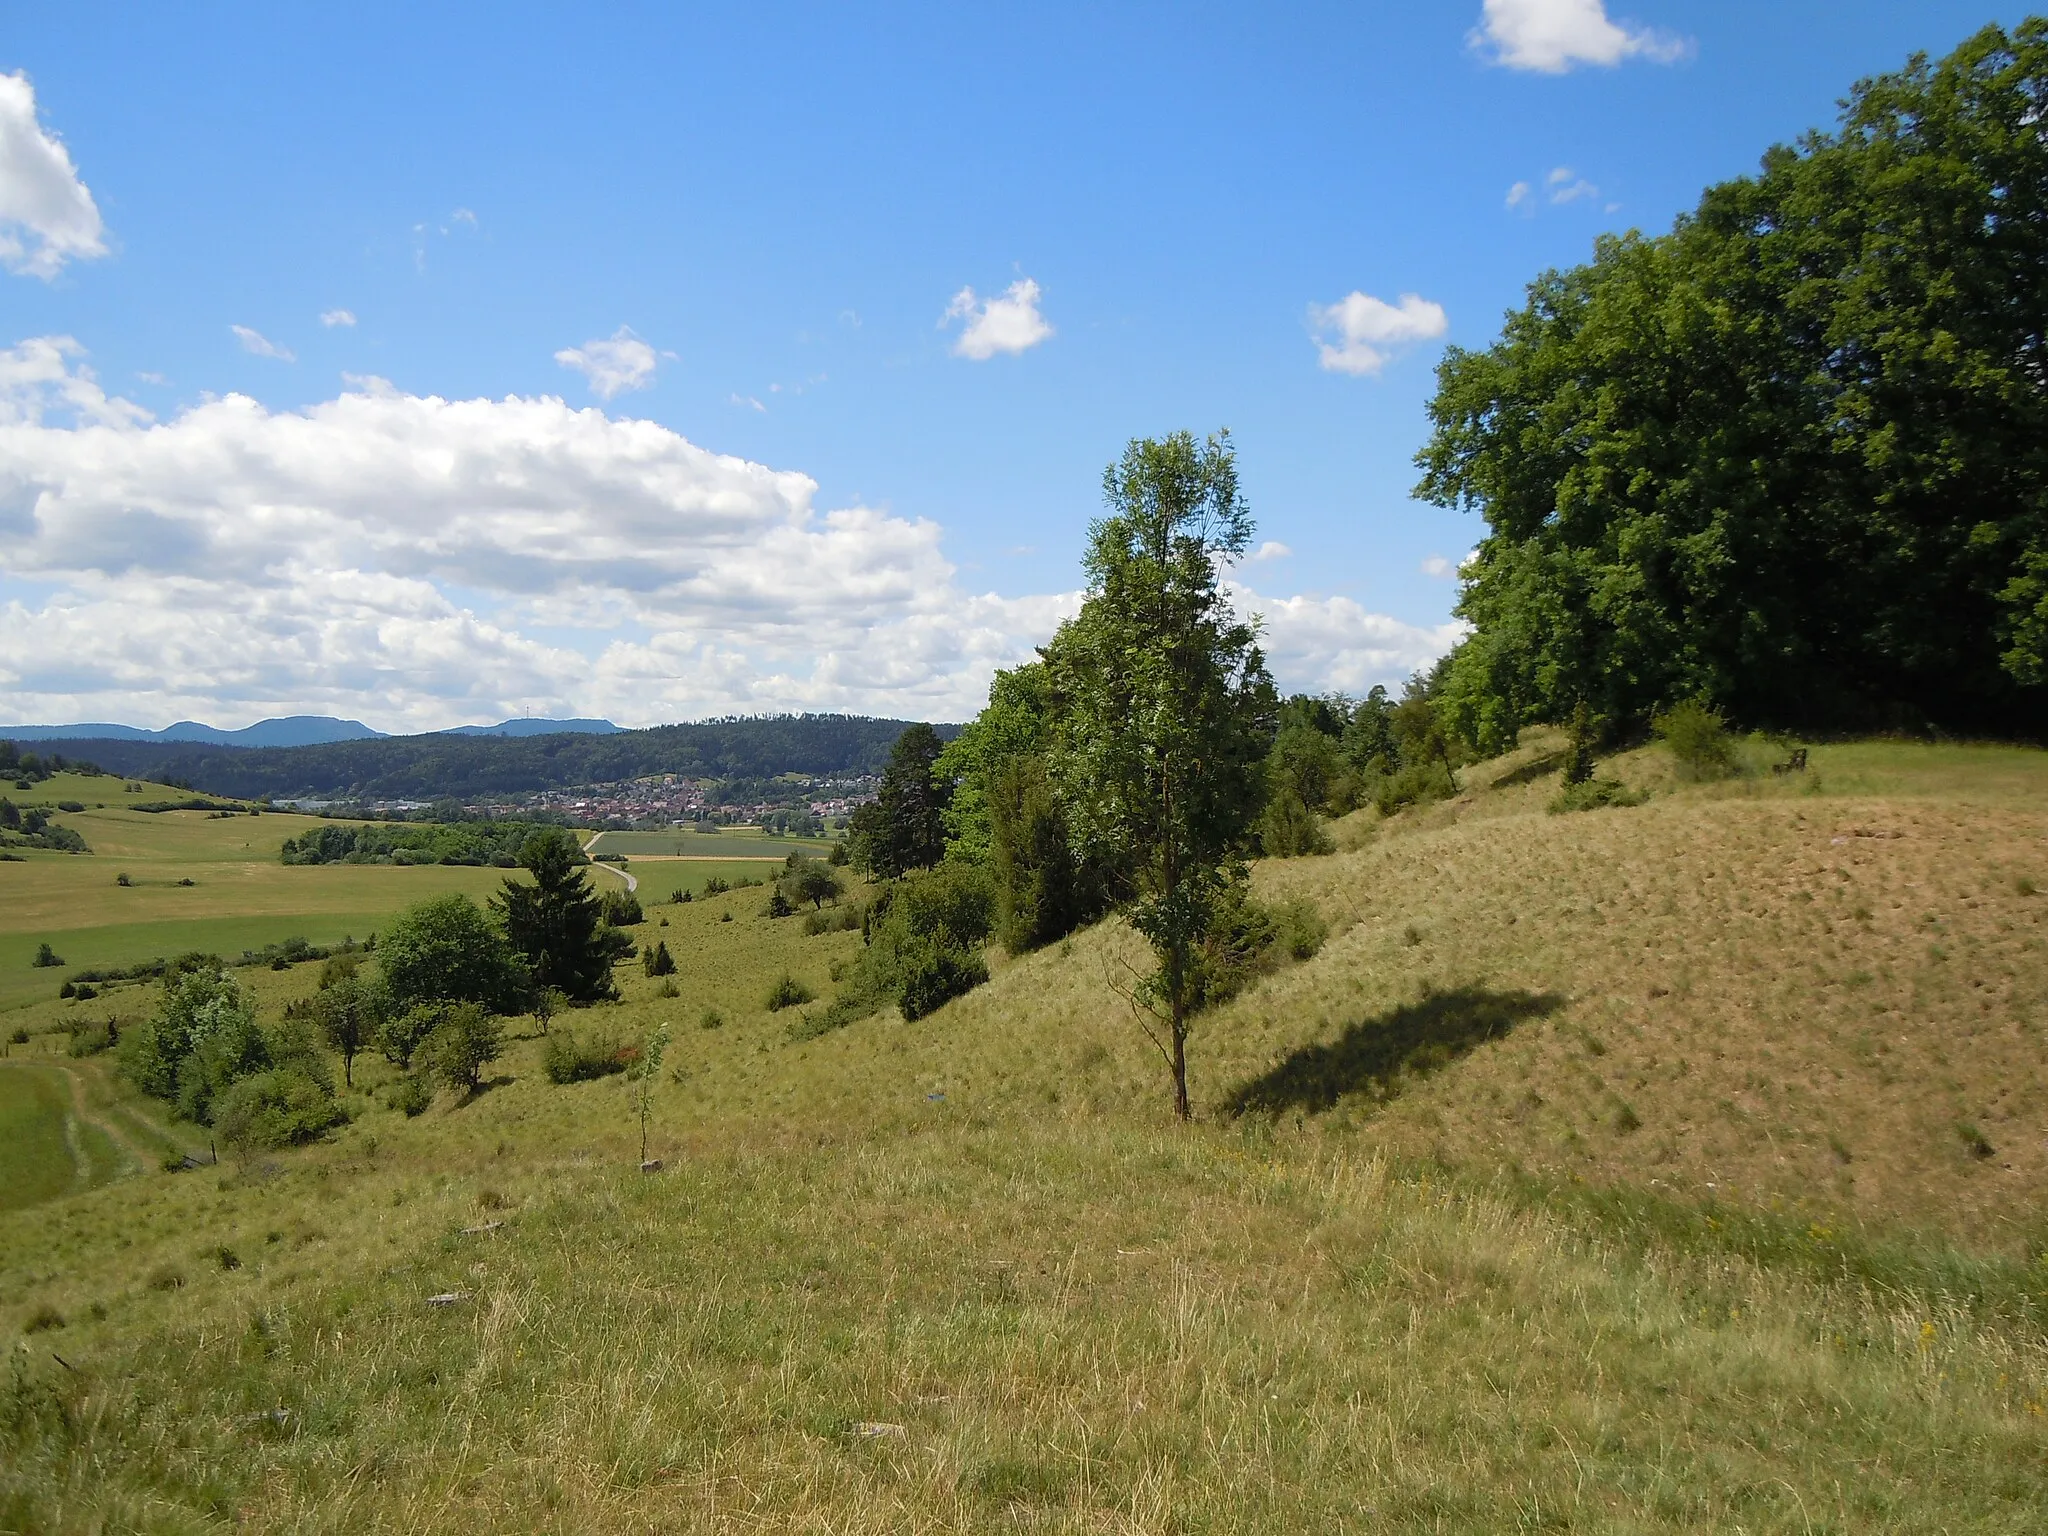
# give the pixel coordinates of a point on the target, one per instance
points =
(50, 1146)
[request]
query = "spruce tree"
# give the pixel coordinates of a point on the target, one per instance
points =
(557, 921)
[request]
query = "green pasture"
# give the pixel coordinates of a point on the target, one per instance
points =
(88, 789)
(660, 878)
(240, 897)
(1981, 774)
(723, 844)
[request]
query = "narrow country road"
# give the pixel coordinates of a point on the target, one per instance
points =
(632, 881)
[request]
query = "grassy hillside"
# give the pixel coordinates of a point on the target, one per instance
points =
(1603, 1172)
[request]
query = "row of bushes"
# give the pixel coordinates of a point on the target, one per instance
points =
(496, 843)
(33, 828)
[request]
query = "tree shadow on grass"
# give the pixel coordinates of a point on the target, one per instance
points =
(1531, 771)
(1376, 1056)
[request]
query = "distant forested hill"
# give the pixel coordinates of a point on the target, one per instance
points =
(426, 767)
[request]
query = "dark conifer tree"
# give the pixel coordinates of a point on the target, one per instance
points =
(904, 827)
(557, 922)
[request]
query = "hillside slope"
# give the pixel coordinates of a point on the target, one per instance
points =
(1747, 991)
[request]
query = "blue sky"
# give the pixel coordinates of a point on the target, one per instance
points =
(744, 229)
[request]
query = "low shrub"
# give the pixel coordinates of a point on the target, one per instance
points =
(91, 1039)
(568, 1059)
(846, 919)
(411, 1094)
(1592, 795)
(1290, 829)
(46, 957)
(464, 1041)
(279, 1108)
(931, 973)
(924, 946)
(1419, 784)
(1697, 738)
(1299, 929)
(788, 992)
(711, 1018)
(622, 909)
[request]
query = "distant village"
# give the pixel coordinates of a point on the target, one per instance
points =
(793, 804)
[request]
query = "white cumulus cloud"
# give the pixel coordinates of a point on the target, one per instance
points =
(1324, 643)
(1551, 36)
(1272, 549)
(333, 317)
(615, 365)
(1359, 333)
(1519, 193)
(419, 562)
(1008, 323)
(260, 345)
(1565, 187)
(47, 217)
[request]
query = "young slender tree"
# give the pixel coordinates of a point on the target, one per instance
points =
(652, 1049)
(1164, 710)
(350, 1014)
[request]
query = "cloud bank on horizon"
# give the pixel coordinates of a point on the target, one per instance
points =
(416, 562)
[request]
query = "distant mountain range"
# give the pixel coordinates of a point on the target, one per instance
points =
(524, 727)
(290, 731)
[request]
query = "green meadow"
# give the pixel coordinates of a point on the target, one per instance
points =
(1606, 1178)
(197, 882)
(726, 843)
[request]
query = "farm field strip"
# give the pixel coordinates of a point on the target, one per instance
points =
(707, 845)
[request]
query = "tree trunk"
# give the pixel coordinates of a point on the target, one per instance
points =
(1180, 1066)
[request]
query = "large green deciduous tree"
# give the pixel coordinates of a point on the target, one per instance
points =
(1792, 457)
(1164, 709)
(557, 922)
(445, 949)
